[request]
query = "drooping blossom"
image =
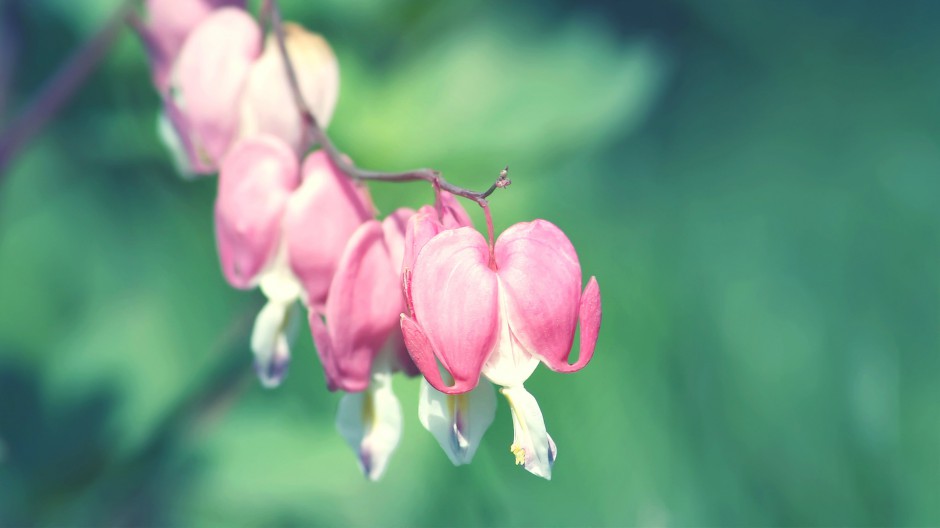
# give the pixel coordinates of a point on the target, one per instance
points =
(221, 82)
(498, 312)
(359, 341)
(364, 303)
(266, 105)
(457, 421)
(207, 82)
(282, 227)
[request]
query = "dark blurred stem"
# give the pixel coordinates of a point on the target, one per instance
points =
(272, 12)
(208, 398)
(59, 88)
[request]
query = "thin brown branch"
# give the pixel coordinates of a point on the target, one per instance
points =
(315, 133)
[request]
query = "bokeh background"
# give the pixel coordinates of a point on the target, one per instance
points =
(754, 183)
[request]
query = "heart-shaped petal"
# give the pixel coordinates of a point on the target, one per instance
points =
(454, 296)
(208, 80)
(317, 76)
(255, 182)
(540, 278)
(361, 311)
(320, 219)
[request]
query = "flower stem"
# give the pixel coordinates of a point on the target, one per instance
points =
(60, 88)
(272, 12)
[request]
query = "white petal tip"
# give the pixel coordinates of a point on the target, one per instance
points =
(272, 373)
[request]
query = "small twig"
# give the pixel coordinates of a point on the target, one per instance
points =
(60, 88)
(315, 133)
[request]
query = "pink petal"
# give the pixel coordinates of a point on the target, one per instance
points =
(541, 277)
(454, 297)
(321, 217)
(394, 227)
(589, 317)
(425, 359)
(317, 75)
(169, 22)
(324, 345)
(363, 308)
(255, 182)
(423, 226)
(453, 215)
(401, 359)
(208, 79)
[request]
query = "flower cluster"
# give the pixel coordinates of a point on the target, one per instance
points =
(221, 80)
(417, 292)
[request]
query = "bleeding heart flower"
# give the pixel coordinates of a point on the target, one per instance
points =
(363, 305)
(207, 82)
(271, 229)
(499, 312)
(256, 181)
(321, 218)
(360, 343)
(457, 421)
(317, 73)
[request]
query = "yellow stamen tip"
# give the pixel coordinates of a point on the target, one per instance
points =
(519, 451)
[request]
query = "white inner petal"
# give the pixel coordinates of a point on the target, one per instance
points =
(510, 364)
(532, 446)
(457, 421)
(277, 281)
(371, 421)
(274, 331)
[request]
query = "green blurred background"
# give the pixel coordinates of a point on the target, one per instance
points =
(756, 186)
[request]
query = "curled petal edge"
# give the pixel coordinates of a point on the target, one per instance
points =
(589, 319)
(422, 353)
(324, 345)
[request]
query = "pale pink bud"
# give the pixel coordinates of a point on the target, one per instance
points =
(256, 181)
(169, 23)
(320, 219)
(268, 103)
(363, 306)
(207, 84)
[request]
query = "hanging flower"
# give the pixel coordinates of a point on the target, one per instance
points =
(218, 79)
(359, 340)
(499, 311)
(283, 228)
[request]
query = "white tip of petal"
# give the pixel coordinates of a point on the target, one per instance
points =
(510, 364)
(278, 282)
(532, 446)
(275, 329)
(371, 421)
(457, 421)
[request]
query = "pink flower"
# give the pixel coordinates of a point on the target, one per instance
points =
(256, 182)
(320, 220)
(218, 85)
(465, 299)
(267, 104)
(500, 312)
(169, 23)
(268, 205)
(283, 227)
(206, 86)
(364, 303)
(359, 341)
